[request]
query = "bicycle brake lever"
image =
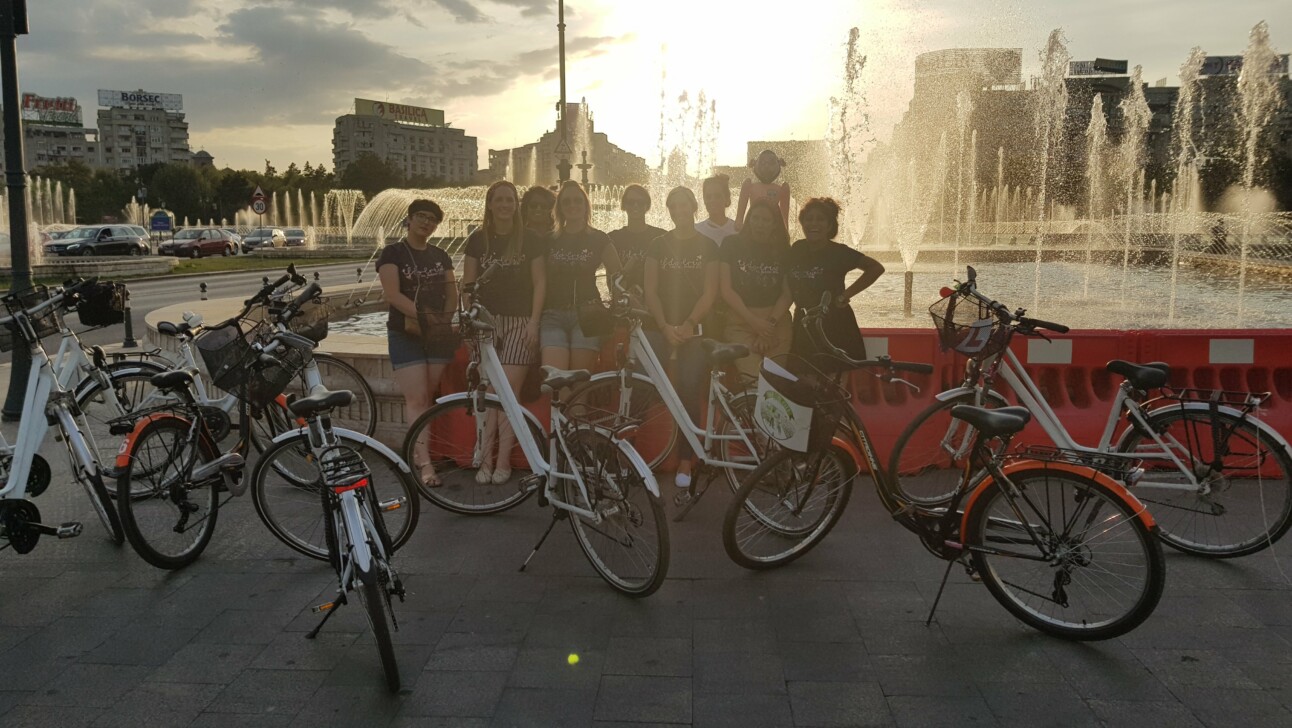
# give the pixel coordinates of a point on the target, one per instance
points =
(914, 387)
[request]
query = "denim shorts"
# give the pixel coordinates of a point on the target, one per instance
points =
(408, 351)
(559, 329)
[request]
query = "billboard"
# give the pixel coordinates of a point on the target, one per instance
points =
(1233, 65)
(140, 100)
(399, 112)
(58, 111)
(1097, 67)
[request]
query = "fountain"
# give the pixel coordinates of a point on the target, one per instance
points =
(1258, 90)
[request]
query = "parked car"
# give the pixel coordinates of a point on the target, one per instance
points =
(238, 246)
(295, 236)
(197, 242)
(260, 237)
(99, 240)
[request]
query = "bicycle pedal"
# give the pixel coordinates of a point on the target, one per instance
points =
(326, 607)
(393, 504)
(683, 497)
(530, 483)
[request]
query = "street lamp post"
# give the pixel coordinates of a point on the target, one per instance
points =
(13, 23)
(563, 165)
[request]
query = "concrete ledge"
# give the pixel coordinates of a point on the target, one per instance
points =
(357, 253)
(104, 266)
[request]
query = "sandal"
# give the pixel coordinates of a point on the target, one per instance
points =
(484, 475)
(501, 476)
(426, 472)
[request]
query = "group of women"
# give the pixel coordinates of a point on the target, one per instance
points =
(719, 278)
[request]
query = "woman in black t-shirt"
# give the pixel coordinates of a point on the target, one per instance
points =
(681, 285)
(576, 252)
(755, 288)
(818, 264)
(633, 240)
(536, 207)
(513, 294)
(418, 285)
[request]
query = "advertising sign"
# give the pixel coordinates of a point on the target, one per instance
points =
(399, 112)
(160, 222)
(1233, 65)
(59, 111)
(1097, 67)
(140, 100)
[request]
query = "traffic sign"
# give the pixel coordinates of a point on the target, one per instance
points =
(160, 222)
(259, 194)
(259, 206)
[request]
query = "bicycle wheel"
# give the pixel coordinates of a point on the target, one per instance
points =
(1249, 479)
(928, 460)
(289, 503)
(168, 518)
(132, 390)
(658, 433)
(446, 443)
(786, 506)
(374, 595)
(628, 543)
(1081, 565)
(361, 415)
(736, 451)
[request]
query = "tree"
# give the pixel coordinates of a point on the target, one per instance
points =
(232, 192)
(371, 174)
(183, 190)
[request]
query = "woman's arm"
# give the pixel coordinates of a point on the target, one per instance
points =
(650, 288)
(742, 205)
(470, 272)
(735, 302)
(784, 202)
(707, 297)
(610, 259)
(871, 270)
(389, 276)
(538, 274)
(450, 284)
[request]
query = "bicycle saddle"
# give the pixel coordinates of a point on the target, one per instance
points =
(174, 379)
(993, 422)
(554, 378)
(170, 329)
(721, 354)
(322, 401)
(1144, 376)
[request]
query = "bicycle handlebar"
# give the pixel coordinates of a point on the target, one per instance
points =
(812, 320)
(1025, 324)
(1032, 323)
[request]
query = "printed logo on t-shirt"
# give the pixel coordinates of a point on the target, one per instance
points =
(491, 258)
(425, 273)
(679, 263)
(572, 258)
(764, 273)
(807, 273)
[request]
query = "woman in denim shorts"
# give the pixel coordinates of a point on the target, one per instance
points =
(573, 257)
(417, 276)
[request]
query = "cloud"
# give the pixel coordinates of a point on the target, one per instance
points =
(533, 8)
(462, 10)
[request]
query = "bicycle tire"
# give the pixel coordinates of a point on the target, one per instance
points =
(922, 468)
(658, 433)
(617, 490)
(376, 602)
(445, 438)
(1249, 519)
(150, 499)
(337, 374)
(289, 507)
(731, 451)
(131, 382)
(1133, 563)
(104, 508)
(777, 486)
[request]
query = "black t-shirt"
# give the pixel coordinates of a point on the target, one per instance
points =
(510, 289)
(422, 276)
(572, 263)
(814, 268)
(757, 270)
(632, 248)
(682, 273)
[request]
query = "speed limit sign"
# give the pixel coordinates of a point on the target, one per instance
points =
(258, 207)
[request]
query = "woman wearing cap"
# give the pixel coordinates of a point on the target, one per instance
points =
(418, 285)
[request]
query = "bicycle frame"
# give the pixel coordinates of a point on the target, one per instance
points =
(719, 396)
(540, 464)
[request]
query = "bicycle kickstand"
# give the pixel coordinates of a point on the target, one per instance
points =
(686, 500)
(328, 609)
(557, 515)
(941, 587)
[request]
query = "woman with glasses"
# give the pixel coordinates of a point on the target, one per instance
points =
(418, 284)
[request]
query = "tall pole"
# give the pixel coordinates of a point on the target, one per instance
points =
(13, 22)
(563, 164)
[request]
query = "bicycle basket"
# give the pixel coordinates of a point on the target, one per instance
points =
(967, 326)
(102, 304)
(265, 380)
(46, 323)
(226, 351)
(798, 405)
(311, 322)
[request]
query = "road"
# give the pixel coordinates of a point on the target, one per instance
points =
(151, 294)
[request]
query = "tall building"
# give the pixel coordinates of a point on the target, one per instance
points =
(413, 138)
(142, 127)
(53, 133)
(535, 164)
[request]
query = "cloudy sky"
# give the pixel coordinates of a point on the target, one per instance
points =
(265, 79)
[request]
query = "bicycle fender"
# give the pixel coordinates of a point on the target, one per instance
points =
(367, 441)
(640, 463)
(459, 396)
(127, 444)
(1266, 431)
(354, 525)
(852, 452)
(953, 393)
(1117, 489)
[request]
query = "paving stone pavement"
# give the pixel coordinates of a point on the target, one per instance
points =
(91, 635)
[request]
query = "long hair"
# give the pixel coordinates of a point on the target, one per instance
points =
(571, 187)
(539, 193)
(781, 236)
(515, 239)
